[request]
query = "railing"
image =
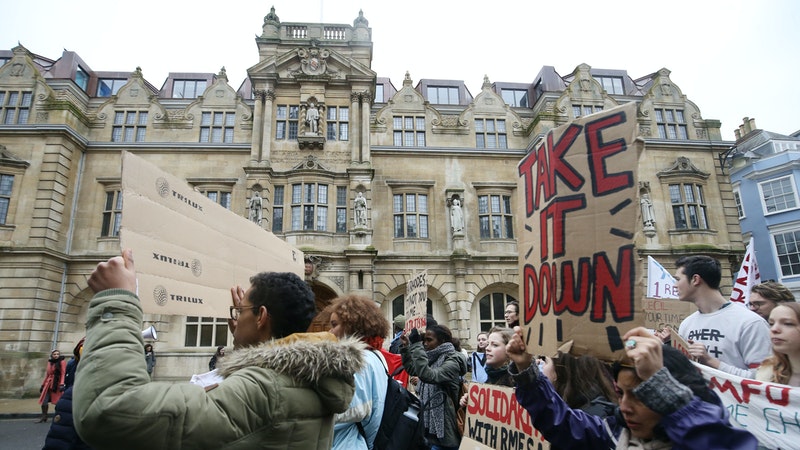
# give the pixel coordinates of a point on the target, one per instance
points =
(297, 31)
(334, 33)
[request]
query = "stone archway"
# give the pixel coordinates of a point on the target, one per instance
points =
(322, 298)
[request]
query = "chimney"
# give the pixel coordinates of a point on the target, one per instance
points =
(746, 125)
(752, 123)
(737, 133)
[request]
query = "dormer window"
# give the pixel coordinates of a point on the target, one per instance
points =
(188, 88)
(106, 87)
(443, 95)
(612, 85)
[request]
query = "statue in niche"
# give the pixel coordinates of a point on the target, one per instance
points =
(456, 215)
(360, 207)
(254, 206)
(648, 215)
(312, 119)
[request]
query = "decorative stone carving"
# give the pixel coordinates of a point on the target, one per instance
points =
(313, 61)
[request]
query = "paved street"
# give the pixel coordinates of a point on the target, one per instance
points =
(22, 434)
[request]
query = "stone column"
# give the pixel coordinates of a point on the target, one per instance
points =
(258, 117)
(266, 137)
(366, 100)
(355, 154)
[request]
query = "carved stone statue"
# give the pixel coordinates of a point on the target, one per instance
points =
(648, 215)
(360, 207)
(254, 206)
(312, 119)
(456, 216)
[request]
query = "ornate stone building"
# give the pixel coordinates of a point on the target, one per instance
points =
(370, 179)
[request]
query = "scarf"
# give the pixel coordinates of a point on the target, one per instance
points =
(433, 396)
(56, 373)
(494, 375)
(628, 442)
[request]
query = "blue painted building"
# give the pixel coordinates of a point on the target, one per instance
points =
(765, 176)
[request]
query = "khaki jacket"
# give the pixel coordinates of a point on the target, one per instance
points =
(279, 395)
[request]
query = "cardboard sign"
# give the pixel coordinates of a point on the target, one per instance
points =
(660, 313)
(416, 302)
(770, 411)
(680, 343)
(496, 421)
(189, 250)
(581, 278)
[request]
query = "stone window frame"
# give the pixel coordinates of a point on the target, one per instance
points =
(209, 126)
(129, 125)
(216, 326)
(496, 130)
(337, 123)
(17, 113)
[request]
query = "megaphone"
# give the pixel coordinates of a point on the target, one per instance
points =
(150, 333)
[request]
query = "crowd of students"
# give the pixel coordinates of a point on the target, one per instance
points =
(281, 387)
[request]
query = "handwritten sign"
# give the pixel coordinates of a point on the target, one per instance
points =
(660, 314)
(416, 302)
(580, 276)
(496, 421)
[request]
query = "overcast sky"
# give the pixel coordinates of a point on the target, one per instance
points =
(733, 58)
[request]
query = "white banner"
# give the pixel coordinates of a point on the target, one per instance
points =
(770, 411)
(660, 283)
(747, 277)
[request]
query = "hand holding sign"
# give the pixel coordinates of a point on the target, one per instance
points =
(117, 273)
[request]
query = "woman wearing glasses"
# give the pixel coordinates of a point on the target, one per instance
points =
(766, 296)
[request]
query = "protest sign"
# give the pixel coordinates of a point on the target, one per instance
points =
(416, 302)
(496, 421)
(660, 313)
(580, 271)
(770, 411)
(189, 250)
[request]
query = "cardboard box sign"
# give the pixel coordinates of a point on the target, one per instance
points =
(581, 277)
(188, 250)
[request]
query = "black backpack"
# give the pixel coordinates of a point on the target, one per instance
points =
(401, 426)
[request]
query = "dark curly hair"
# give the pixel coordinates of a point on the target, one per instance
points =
(288, 300)
(359, 316)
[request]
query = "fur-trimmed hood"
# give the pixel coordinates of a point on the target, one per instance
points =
(307, 357)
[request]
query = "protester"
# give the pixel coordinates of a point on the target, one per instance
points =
(665, 404)
(358, 316)
(511, 314)
(399, 323)
(440, 369)
(766, 296)
(721, 334)
(53, 384)
(478, 358)
(212, 363)
(496, 360)
(784, 365)
(150, 358)
(62, 434)
(281, 386)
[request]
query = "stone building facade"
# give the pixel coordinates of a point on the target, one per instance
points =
(312, 129)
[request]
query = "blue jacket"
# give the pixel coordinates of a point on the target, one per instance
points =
(366, 407)
(692, 424)
(62, 434)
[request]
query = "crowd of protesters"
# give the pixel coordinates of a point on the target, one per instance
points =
(327, 389)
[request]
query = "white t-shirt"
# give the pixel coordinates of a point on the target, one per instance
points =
(736, 336)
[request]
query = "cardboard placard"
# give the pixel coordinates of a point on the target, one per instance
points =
(188, 249)
(581, 277)
(680, 343)
(416, 302)
(661, 313)
(495, 420)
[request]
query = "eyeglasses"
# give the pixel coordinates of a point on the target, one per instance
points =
(756, 305)
(237, 310)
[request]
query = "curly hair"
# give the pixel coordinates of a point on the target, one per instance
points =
(359, 316)
(288, 300)
(781, 367)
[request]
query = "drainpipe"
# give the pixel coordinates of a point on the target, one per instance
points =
(68, 248)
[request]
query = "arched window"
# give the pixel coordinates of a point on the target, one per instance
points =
(491, 309)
